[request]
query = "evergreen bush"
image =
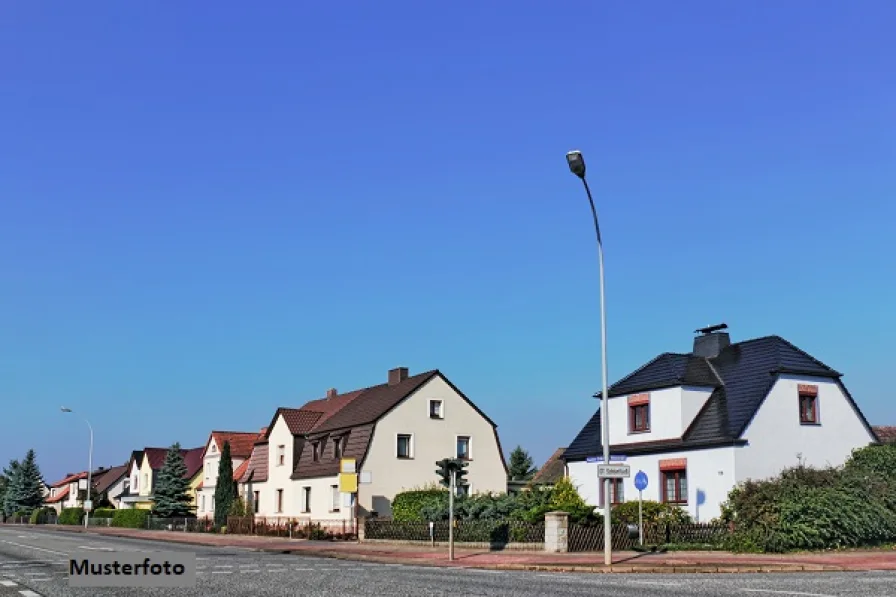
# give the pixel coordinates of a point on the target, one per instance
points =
(71, 516)
(132, 519)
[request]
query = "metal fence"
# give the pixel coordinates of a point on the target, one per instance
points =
(185, 525)
(495, 533)
(590, 537)
(337, 529)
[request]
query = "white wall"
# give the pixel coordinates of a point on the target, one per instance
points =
(279, 476)
(115, 490)
(711, 472)
(321, 500)
(671, 412)
(776, 437)
(433, 440)
(210, 464)
(246, 491)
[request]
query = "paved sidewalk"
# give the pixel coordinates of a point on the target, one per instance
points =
(691, 561)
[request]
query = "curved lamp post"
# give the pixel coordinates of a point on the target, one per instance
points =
(89, 465)
(577, 166)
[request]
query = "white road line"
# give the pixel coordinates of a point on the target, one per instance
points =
(95, 548)
(28, 593)
(786, 592)
(248, 571)
(222, 571)
(305, 569)
(7, 583)
(277, 570)
(224, 566)
(657, 583)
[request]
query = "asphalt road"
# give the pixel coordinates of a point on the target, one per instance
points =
(35, 563)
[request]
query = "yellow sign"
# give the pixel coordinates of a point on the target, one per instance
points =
(347, 465)
(348, 482)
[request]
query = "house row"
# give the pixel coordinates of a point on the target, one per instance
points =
(695, 424)
(385, 438)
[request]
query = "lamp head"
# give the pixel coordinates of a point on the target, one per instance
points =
(65, 410)
(576, 163)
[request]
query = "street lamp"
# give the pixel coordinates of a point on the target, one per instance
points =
(89, 468)
(577, 166)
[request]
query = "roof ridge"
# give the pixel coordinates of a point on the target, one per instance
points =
(636, 371)
(805, 354)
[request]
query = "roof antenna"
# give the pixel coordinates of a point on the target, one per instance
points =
(713, 328)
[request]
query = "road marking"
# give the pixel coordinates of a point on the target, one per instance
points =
(277, 570)
(248, 571)
(224, 566)
(486, 571)
(28, 593)
(7, 583)
(787, 592)
(95, 548)
(657, 583)
(222, 571)
(305, 569)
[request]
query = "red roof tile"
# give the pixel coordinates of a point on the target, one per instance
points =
(192, 459)
(71, 477)
(552, 471)
(58, 497)
(240, 470)
(240, 442)
(885, 434)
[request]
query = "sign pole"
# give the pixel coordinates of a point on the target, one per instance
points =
(451, 519)
(640, 521)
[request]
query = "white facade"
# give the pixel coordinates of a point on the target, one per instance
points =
(326, 503)
(776, 439)
(205, 497)
(115, 490)
(431, 439)
(281, 497)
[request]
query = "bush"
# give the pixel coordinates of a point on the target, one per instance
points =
(103, 513)
(71, 516)
(408, 506)
(42, 515)
(132, 519)
(653, 513)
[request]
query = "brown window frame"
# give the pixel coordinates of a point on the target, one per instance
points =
(617, 491)
(632, 418)
(808, 416)
(677, 474)
(410, 438)
(279, 501)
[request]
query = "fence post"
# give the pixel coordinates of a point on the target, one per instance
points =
(361, 533)
(556, 532)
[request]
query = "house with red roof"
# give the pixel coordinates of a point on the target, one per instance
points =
(241, 444)
(71, 490)
(392, 434)
(143, 468)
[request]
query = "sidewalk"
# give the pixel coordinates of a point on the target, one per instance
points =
(691, 561)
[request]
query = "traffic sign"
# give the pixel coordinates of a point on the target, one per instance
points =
(88, 505)
(614, 471)
(641, 481)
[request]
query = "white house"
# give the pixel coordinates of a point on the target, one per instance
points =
(241, 444)
(394, 432)
(700, 423)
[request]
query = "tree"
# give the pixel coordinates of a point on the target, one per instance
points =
(225, 487)
(7, 479)
(170, 496)
(25, 491)
(521, 466)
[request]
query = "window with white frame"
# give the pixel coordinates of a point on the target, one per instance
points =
(334, 498)
(403, 446)
(463, 447)
(436, 409)
(281, 455)
(306, 500)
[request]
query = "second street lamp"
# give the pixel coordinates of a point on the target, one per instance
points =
(87, 505)
(576, 163)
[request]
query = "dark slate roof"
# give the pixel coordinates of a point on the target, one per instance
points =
(740, 378)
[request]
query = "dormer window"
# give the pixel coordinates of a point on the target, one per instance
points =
(639, 413)
(316, 451)
(337, 447)
(808, 401)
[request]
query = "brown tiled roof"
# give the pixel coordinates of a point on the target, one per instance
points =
(355, 442)
(241, 470)
(885, 433)
(552, 471)
(257, 469)
(110, 477)
(69, 478)
(192, 459)
(298, 420)
(240, 442)
(368, 405)
(58, 497)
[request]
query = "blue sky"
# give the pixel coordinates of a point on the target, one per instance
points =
(212, 210)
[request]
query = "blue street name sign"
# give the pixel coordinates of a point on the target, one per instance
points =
(593, 459)
(613, 458)
(641, 481)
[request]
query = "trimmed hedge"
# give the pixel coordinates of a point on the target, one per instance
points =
(132, 519)
(42, 515)
(652, 512)
(409, 505)
(71, 516)
(103, 513)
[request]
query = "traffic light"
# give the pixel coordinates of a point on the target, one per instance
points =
(460, 467)
(444, 471)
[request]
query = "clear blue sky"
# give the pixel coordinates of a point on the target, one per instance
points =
(209, 211)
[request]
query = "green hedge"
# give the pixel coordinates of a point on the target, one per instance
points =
(409, 505)
(103, 513)
(42, 515)
(71, 516)
(652, 513)
(133, 519)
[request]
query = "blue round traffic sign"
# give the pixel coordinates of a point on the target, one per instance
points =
(641, 481)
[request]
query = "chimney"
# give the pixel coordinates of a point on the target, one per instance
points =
(332, 393)
(397, 375)
(711, 341)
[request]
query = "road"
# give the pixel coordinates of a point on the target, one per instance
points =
(34, 563)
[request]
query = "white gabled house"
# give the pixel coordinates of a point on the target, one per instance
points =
(395, 432)
(700, 423)
(241, 444)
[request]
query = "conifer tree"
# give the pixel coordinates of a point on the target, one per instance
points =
(7, 481)
(25, 490)
(521, 466)
(171, 498)
(225, 487)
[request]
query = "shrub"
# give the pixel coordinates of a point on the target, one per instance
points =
(71, 516)
(103, 513)
(653, 513)
(408, 506)
(42, 515)
(133, 519)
